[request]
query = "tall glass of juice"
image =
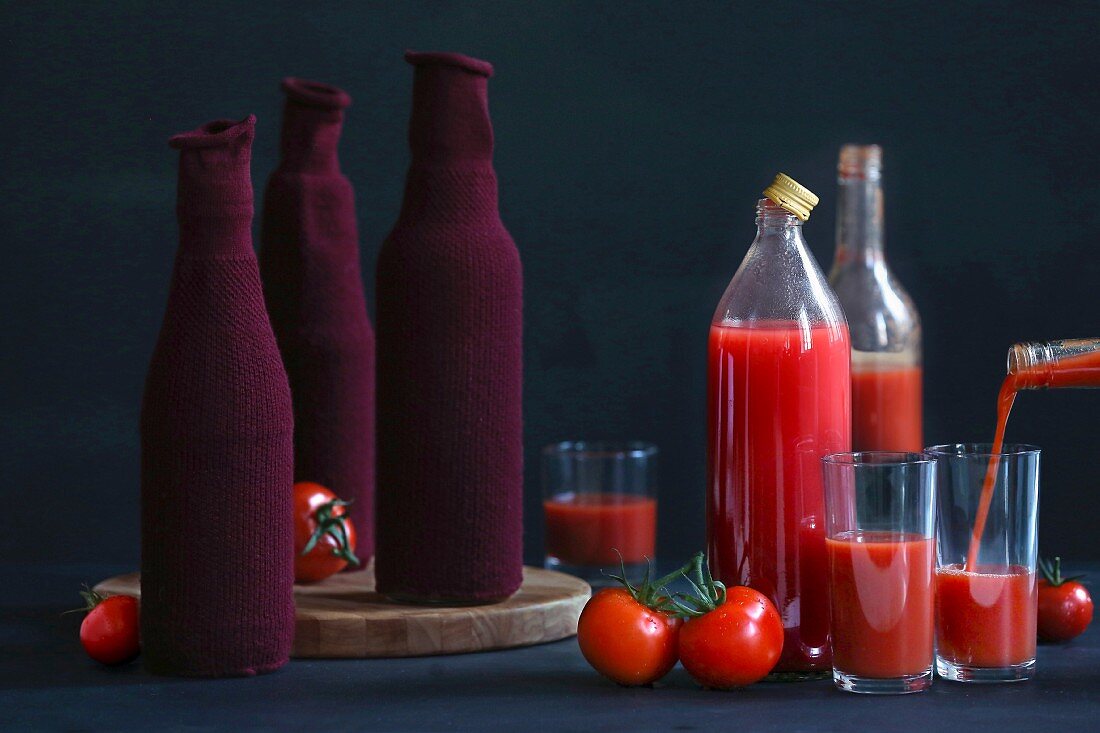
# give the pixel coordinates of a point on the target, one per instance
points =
(779, 399)
(880, 541)
(986, 592)
(600, 502)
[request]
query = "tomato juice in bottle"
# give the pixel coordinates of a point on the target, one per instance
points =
(882, 320)
(779, 398)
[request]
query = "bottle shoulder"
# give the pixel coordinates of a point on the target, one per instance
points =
(778, 285)
(881, 314)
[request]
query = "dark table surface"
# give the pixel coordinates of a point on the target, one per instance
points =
(46, 683)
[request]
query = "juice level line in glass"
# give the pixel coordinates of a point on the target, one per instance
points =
(596, 529)
(986, 618)
(882, 603)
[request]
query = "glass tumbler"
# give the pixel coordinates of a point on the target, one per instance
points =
(600, 502)
(986, 592)
(880, 543)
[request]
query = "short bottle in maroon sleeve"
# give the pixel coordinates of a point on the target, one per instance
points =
(779, 398)
(217, 453)
(449, 327)
(309, 260)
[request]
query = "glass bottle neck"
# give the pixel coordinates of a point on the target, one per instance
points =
(1055, 364)
(859, 223)
(774, 221)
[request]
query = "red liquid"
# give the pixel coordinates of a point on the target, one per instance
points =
(779, 399)
(886, 410)
(586, 529)
(986, 619)
(1074, 371)
(985, 615)
(882, 603)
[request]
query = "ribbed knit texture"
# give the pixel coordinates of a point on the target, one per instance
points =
(309, 261)
(216, 438)
(450, 302)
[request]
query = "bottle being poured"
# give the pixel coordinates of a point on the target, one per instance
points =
(1037, 365)
(779, 396)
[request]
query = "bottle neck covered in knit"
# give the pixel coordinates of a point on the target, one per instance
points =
(451, 176)
(214, 195)
(312, 121)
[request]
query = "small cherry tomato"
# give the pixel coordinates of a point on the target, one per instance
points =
(109, 633)
(324, 537)
(626, 641)
(732, 638)
(1065, 606)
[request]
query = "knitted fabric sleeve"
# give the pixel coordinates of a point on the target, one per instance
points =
(450, 322)
(216, 438)
(309, 261)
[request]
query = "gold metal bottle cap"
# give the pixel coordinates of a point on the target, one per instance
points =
(792, 196)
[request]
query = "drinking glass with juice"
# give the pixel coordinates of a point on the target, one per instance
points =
(600, 504)
(986, 584)
(880, 527)
(779, 399)
(986, 591)
(882, 320)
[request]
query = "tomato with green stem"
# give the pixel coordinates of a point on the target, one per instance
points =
(1065, 606)
(324, 537)
(629, 634)
(109, 631)
(732, 637)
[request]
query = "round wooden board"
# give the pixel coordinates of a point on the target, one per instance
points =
(342, 617)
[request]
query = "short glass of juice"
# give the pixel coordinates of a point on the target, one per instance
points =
(880, 545)
(986, 592)
(600, 502)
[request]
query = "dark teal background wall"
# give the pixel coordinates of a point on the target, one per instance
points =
(632, 142)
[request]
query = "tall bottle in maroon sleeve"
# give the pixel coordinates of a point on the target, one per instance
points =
(449, 324)
(217, 452)
(309, 260)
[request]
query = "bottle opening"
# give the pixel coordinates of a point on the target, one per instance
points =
(1018, 359)
(769, 213)
(860, 162)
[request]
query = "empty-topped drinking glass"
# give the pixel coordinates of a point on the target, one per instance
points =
(600, 501)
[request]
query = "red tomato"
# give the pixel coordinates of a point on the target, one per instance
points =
(1065, 606)
(734, 645)
(109, 633)
(625, 640)
(324, 537)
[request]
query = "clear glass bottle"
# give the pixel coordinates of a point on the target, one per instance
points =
(779, 400)
(1055, 364)
(882, 320)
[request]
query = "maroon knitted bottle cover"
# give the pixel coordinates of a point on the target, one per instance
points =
(450, 301)
(309, 260)
(216, 438)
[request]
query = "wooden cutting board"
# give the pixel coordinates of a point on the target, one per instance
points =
(342, 617)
